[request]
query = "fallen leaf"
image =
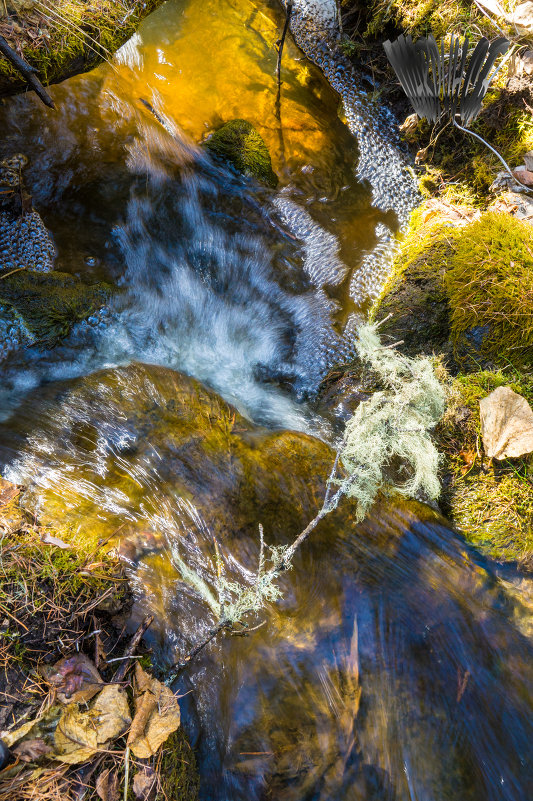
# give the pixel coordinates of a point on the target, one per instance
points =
(75, 679)
(107, 785)
(80, 734)
(8, 492)
(145, 784)
(111, 713)
(506, 424)
(32, 750)
(49, 540)
(157, 715)
(75, 738)
(524, 176)
(14, 735)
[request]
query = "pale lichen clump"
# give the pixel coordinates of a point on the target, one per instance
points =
(391, 431)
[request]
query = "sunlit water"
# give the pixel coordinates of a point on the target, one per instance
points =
(397, 666)
(224, 279)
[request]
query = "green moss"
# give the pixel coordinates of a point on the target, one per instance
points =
(49, 304)
(491, 504)
(415, 295)
(179, 772)
(439, 17)
(239, 142)
(489, 283)
(87, 34)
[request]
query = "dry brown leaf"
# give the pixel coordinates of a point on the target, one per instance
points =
(80, 734)
(107, 785)
(111, 713)
(32, 750)
(506, 424)
(47, 539)
(145, 784)
(75, 679)
(14, 735)
(75, 737)
(157, 715)
(8, 492)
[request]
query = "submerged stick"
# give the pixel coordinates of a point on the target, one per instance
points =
(135, 640)
(288, 13)
(27, 72)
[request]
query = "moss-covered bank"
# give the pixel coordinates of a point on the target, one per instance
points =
(60, 38)
(462, 288)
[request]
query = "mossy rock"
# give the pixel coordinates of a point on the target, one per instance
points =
(415, 294)
(421, 18)
(50, 303)
(60, 51)
(491, 504)
(489, 283)
(239, 143)
(463, 291)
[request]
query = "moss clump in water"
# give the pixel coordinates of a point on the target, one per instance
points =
(178, 770)
(49, 304)
(240, 143)
(489, 283)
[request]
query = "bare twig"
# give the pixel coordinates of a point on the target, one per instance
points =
(27, 72)
(135, 640)
(281, 42)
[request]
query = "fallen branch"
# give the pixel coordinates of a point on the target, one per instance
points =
(27, 71)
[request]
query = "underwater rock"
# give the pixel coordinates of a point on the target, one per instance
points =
(50, 303)
(239, 142)
(115, 422)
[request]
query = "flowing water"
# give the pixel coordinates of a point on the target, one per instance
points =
(398, 663)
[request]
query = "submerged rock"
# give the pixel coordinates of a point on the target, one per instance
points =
(50, 303)
(239, 142)
(116, 422)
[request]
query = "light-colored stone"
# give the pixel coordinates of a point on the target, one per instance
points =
(516, 203)
(523, 17)
(528, 161)
(506, 424)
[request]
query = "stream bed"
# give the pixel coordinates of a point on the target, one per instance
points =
(397, 665)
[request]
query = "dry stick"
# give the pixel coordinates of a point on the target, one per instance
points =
(288, 13)
(135, 640)
(27, 72)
